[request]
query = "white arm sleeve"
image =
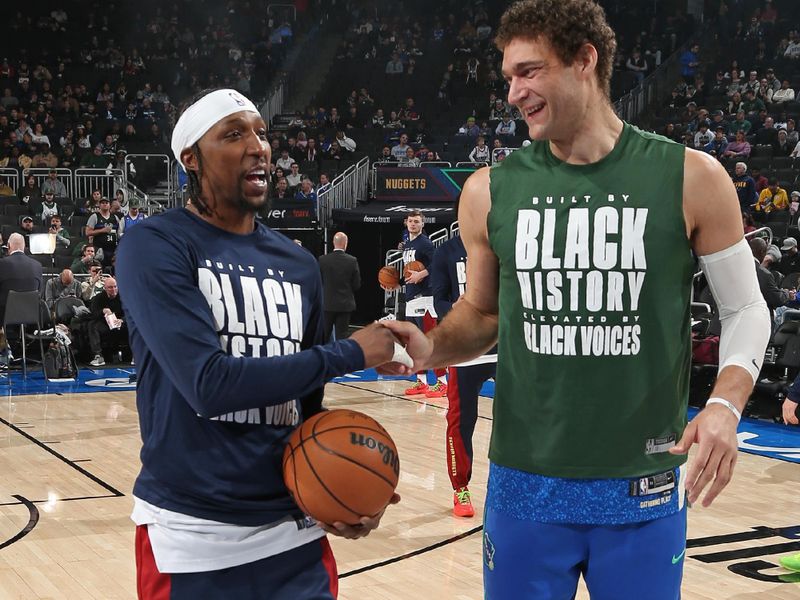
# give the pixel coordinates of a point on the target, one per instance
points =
(743, 312)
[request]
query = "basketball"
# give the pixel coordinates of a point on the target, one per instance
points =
(341, 465)
(414, 265)
(389, 277)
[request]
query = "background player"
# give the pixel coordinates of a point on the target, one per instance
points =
(580, 260)
(417, 246)
(226, 340)
(464, 381)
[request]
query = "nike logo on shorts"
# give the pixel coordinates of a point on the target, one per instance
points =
(677, 559)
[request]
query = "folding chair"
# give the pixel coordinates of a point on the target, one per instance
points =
(25, 308)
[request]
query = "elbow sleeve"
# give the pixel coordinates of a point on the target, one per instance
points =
(743, 312)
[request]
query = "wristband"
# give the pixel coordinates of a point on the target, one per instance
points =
(401, 356)
(727, 405)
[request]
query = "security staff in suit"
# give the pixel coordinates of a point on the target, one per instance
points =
(340, 280)
(18, 272)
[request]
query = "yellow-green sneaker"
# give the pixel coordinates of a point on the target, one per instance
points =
(791, 562)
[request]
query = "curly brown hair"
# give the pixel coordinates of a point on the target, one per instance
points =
(567, 25)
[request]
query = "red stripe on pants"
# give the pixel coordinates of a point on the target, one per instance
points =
(428, 323)
(329, 562)
(459, 465)
(150, 583)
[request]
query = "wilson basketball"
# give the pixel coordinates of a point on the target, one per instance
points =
(341, 465)
(389, 277)
(414, 265)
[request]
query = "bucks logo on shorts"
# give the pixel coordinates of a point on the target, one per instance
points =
(488, 551)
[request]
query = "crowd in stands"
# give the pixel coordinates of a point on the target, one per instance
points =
(736, 101)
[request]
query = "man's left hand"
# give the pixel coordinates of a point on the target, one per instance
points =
(415, 277)
(714, 431)
(790, 412)
(363, 529)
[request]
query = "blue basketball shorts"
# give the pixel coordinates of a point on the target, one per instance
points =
(528, 560)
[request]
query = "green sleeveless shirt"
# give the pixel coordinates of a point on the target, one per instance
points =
(594, 289)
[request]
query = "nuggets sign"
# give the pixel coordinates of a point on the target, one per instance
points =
(422, 184)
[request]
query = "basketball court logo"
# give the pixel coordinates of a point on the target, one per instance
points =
(488, 551)
(237, 98)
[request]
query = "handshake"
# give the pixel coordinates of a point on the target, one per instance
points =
(394, 347)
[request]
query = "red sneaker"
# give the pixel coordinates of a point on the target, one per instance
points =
(439, 390)
(462, 503)
(418, 389)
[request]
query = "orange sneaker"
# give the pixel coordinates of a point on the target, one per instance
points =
(462, 503)
(439, 390)
(418, 389)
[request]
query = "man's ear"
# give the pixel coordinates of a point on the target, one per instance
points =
(189, 160)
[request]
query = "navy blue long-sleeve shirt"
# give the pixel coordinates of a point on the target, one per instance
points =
(225, 330)
(421, 249)
(448, 275)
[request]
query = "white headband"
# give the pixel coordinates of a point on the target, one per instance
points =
(203, 115)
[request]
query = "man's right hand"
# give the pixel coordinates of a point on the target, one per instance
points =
(417, 344)
(377, 343)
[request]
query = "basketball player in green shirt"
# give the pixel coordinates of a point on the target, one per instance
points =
(581, 251)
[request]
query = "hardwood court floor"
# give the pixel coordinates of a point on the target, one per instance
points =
(72, 459)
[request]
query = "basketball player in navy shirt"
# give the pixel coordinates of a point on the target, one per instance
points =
(225, 319)
(448, 280)
(418, 247)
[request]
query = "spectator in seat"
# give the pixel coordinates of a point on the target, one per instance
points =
(324, 183)
(703, 137)
(133, 217)
(281, 190)
(95, 160)
(781, 147)
(63, 286)
(81, 265)
(47, 208)
(378, 119)
(773, 295)
(399, 150)
(346, 143)
(94, 284)
(26, 228)
(637, 65)
(285, 162)
(506, 127)
(739, 148)
(767, 135)
(54, 185)
(772, 198)
(306, 191)
(761, 181)
(395, 65)
(294, 178)
(107, 321)
(740, 124)
(30, 194)
(335, 152)
(44, 158)
(56, 228)
(410, 159)
(481, 152)
(718, 145)
(790, 261)
(311, 152)
(469, 128)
